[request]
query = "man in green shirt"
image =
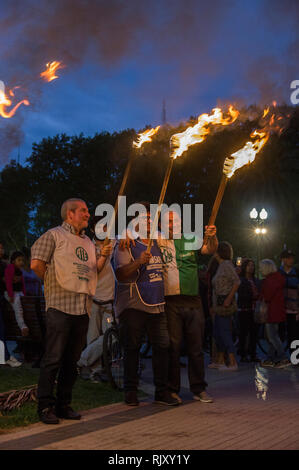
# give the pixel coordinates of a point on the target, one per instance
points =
(184, 307)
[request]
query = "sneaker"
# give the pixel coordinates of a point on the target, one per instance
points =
(165, 398)
(203, 396)
(48, 416)
(268, 364)
(228, 368)
(176, 397)
(131, 398)
(67, 412)
(13, 362)
(282, 364)
(214, 365)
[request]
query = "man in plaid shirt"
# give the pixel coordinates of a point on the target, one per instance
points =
(67, 261)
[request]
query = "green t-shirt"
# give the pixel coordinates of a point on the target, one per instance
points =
(180, 267)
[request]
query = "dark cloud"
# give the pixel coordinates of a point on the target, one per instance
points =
(184, 33)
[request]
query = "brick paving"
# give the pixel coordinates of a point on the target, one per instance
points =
(238, 419)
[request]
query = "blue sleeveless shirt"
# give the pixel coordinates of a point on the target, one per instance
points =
(149, 284)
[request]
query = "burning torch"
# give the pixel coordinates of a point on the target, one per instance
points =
(180, 142)
(142, 138)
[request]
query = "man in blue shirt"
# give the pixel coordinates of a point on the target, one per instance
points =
(291, 294)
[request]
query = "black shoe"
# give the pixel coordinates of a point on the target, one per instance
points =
(48, 416)
(254, 359)
(66, 412)
(131, 398)
(165, 398)
(244, 359)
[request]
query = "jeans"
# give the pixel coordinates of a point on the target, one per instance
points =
(186, 320)
(65, 339)
(223, 334)
(276, 351)
(133, 325)
(2, 330)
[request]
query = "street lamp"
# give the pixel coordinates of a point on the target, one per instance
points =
(260, 230)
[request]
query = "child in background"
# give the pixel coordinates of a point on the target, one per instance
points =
(15, 288)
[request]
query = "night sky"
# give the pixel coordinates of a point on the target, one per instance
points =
(124, 57)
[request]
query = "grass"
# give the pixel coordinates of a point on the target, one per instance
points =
(86, 395)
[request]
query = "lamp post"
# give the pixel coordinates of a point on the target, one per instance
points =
(259, 230)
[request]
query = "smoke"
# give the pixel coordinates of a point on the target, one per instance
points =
(11, 137)
(272, 73)
(181, 35)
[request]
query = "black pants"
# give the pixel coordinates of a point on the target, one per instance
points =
(186, 320)
(247, 329)
(65, 339)
(133, 325)
(292, 329)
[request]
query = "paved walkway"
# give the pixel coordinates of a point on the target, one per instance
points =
(254, 408)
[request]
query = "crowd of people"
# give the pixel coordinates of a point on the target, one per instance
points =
(164, 293)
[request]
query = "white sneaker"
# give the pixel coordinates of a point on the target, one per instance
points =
(215, 365)
(228, 368)
(13, 362)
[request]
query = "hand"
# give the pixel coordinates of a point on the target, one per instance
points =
(106, 250)
(144, 257)
(227, 302)
(126, 243)
(25, 331)
(210, 231)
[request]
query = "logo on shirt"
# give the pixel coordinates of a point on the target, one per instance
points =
(167, 255)
(81, 253)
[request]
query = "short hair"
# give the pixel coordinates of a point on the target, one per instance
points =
(15, 255)
(225, 251)
(267, 266)
(69, 205)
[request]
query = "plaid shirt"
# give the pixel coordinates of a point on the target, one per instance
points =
(57, 297)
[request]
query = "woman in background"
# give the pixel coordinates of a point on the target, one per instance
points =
(225, 285)
(248, 294)
(272, 292)
(15, 288)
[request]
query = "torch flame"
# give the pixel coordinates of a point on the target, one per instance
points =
(145, 136)
(247, 154)
(49, 74)
(179, 143)
(6, 102)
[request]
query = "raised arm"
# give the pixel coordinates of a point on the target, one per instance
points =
(210, 246)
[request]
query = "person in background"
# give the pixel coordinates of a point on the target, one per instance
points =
(101, 313)
(248, 294)
(272, 292)
(216, 358)
(15, 288)
(291, 294)
(33, 285)
(225, 285)
(9, 360)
